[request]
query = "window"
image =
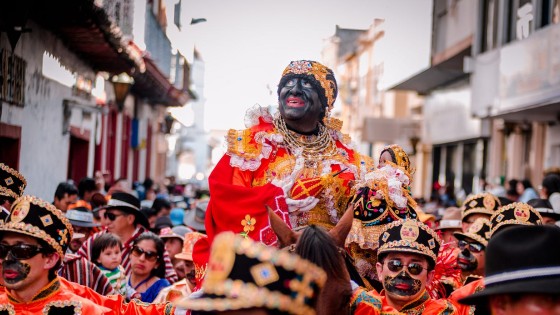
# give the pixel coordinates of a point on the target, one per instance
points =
(522, 17)
(550, 12)
(489, 32)
(12, 78)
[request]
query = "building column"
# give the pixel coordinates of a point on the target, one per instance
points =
(515, 154)
(118, 146)
(536, 157)
(496, 157)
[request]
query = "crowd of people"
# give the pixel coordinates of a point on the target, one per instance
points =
(295, 221)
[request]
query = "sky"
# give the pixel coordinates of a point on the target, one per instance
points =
(246, 44)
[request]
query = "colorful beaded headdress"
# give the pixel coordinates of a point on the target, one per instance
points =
(483, 203)
(478, 231)
(12, 183)
(517, 213)
(243, 274)
(410, 236)
(35, 217)
(319, 75)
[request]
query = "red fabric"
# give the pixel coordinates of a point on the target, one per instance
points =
(230, 204)
(116, 303)
(55, 294)
(465, 291)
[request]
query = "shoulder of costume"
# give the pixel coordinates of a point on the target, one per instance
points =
(247, 147)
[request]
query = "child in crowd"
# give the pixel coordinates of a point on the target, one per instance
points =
(107, 255)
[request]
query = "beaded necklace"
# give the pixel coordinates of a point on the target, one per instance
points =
(314, 148)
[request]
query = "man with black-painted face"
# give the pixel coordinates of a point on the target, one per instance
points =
(33, 240)
(296, 162)
(406, 260)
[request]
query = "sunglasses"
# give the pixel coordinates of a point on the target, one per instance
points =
(413, 268)
(19, 251)
(473, 247)
(111, 216)
(150, 256)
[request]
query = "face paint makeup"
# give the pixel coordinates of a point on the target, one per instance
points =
(466, 261)
(14, 271)
(402, 284)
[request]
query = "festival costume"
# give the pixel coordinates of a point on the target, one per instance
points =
(382, 196)
(323, 166)
(483, 203)
(464, 291)
(12, 184)
(53, 299)
(365, 302)
(116, 303)
(174, 292)
(243, 274)
(517, 213)
(412, 236)
(39, 219)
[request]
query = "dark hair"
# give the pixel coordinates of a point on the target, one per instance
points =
(552, 184)
(105, 240)
(86, 184)
(317, 246)
(160, 203)
(526, 184)
(47, 250)
(160, 249)
(65, 188)
(391, 152)
(148, 183)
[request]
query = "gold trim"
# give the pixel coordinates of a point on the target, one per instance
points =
(14, 173)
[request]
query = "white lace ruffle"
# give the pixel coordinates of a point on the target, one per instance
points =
(254, 113)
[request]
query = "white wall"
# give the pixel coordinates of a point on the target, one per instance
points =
(44, 149)
(447, 116)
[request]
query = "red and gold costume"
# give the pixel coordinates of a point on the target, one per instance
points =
(241, 182)
(370, 303)
(53, 298)
(464, 291)
(116, 303)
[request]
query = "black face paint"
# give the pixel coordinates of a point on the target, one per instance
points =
(402, 284)
(191, 276)
(14, 271)
(466, 261)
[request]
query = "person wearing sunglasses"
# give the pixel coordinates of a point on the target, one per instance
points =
(472, 245)
(514, 214)
(147, 275)
(406, 259)
(33, 240)
(123, 218)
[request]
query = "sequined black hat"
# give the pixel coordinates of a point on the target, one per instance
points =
(524, 260)
(243, 274)
(409, 236)
(12, 183)
(484, 203)
(478, 231)
(517, 213)
(35, 217)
